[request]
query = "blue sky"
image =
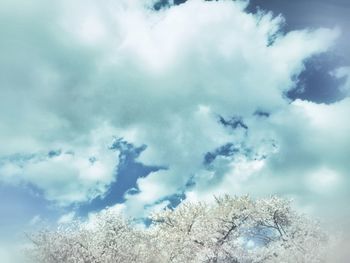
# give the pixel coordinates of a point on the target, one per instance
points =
(137, 105)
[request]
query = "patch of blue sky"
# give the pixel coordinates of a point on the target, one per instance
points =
(262, 113)
(317, 83)
(234, 122)
(128, 172)
(228, 149)
(20, 159)
(19, 205)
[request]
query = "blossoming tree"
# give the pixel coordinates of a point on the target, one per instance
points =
(231, 229)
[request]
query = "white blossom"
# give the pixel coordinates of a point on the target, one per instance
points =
(231, 229)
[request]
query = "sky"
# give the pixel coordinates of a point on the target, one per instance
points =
(140, 104)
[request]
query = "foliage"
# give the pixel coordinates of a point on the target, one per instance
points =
(231, 229)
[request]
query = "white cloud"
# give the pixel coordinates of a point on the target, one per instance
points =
(75, 173)
(227, 176)
(309, 163)
(343, 72)
(323, 180)
(35, 220)
(66, 218)
(313, 153)
(160, 79)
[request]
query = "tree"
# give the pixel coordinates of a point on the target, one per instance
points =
(231, 229)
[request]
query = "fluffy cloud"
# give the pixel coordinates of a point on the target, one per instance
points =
(157, 78)
(66, 218)
(75, 172)
(300, 151)
(343, 72)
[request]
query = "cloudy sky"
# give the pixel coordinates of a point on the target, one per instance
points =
(139, 104)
